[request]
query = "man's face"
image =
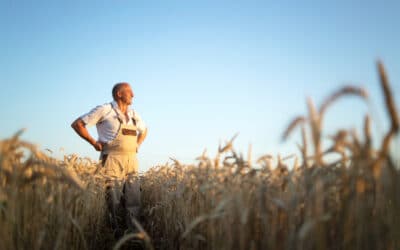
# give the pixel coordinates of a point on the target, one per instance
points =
(126, 94)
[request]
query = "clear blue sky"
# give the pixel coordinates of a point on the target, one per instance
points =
(201, 70)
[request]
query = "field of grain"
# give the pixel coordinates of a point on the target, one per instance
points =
(220, 202)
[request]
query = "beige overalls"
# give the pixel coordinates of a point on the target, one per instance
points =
(121, 168)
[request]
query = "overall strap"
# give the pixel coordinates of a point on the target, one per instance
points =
(119, 118)
(116, 112)
(133, 120)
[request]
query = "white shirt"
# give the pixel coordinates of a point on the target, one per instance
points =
(105, 118)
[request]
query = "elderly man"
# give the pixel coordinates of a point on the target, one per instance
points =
(120, 133)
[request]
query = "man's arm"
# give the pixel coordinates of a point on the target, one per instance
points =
(80, 128)
(141, 137)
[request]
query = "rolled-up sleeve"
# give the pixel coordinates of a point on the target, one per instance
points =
(141, 126)
(94, 116)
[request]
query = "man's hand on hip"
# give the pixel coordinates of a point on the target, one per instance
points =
(98, 146)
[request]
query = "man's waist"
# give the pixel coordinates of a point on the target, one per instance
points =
(118, 149)
(122, 148)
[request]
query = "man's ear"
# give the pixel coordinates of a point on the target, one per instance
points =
(119, 94)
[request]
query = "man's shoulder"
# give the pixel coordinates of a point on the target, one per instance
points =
(105, 106)
(96, 114)
(134, 113)
(100, 109)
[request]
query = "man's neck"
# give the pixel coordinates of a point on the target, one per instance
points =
(123, 107)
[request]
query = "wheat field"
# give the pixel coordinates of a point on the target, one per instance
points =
(219, 202)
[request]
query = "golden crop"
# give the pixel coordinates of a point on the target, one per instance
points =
(218, 203)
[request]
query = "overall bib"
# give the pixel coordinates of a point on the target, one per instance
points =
(121, 168)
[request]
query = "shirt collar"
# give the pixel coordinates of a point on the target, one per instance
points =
(114, 105)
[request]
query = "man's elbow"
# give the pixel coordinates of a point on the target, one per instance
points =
(77, 124)
(144, 134)
(73, 124)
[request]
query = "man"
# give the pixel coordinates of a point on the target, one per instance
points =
(120, 132)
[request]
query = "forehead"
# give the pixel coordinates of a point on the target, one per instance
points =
(126, 87)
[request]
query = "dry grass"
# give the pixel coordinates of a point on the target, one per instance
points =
(221, 202)
(43, 202)
(224, 203)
